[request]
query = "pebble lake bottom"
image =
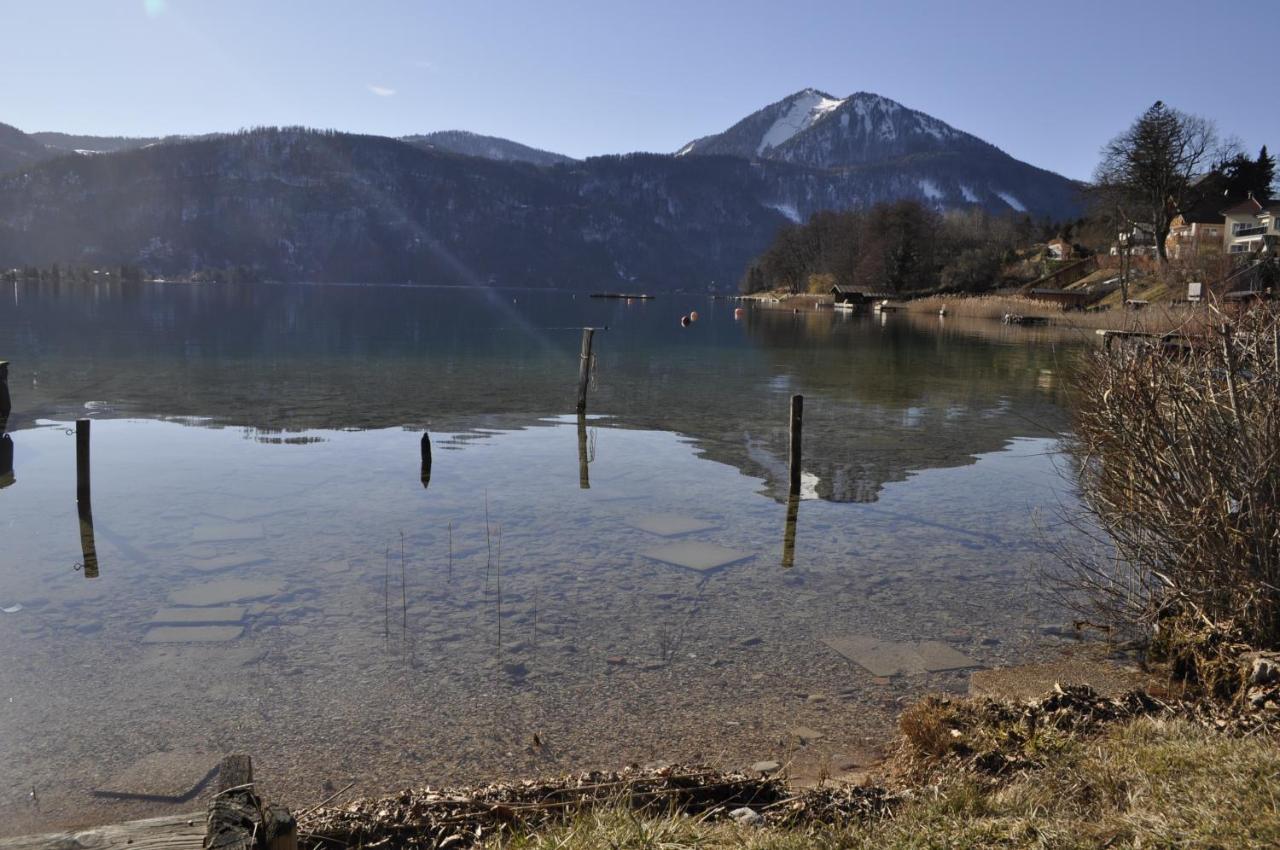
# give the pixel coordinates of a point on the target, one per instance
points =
(273, 577)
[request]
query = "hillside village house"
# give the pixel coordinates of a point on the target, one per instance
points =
(1195, 233)
(1059, 249)
(1252, 226)
(1139, 238)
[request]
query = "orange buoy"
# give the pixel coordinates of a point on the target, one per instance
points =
(684, 321)
(738, 312)
(693, 316)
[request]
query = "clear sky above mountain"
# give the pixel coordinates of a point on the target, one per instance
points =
(1047, 82)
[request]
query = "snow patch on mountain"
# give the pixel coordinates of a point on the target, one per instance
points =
(789, 210)
(1011, 201)
(808, 107)
(969, 195)
(930, 189)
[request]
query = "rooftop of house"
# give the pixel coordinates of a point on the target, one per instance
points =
(1249, 206)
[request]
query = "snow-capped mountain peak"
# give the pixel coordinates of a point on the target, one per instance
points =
(805, 109)
(815, 129)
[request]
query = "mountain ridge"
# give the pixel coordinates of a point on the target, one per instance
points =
(300, 204)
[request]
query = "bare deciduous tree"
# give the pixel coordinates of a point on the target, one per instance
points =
(1150, 169)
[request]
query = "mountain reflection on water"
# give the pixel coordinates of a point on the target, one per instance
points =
(883, 399)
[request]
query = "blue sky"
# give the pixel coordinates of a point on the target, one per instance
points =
(1047, 82)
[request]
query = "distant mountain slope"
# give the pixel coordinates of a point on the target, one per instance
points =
(488, 147)
(18, 150)
(301, 205)
(71, 143)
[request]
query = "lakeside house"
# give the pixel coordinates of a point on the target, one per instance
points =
(1059, 249)
(1251, 227)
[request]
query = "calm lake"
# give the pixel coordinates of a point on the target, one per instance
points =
(273, 577)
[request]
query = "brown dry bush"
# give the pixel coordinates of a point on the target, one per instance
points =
(1178, 455)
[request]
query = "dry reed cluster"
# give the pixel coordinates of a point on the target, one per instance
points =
(1178, 452)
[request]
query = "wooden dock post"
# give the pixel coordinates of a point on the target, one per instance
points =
(237, 819)
(584, 477)
(426, 459)
(82, 460)
(793, 458)
(6, 406)
(584, 368)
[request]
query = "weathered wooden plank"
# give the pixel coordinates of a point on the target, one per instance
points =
(176, 832)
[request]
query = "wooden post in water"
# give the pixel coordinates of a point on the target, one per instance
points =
(584, 477)
(793, 456)
(426, 459)
(789, 532)
(82, 460)
(6, 407)
(584, 369)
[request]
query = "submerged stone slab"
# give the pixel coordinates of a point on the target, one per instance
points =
(210, 616)
(224, 591)
(691, 555)
(890, 658)
(220, 563)
(192, 634)
(174, 776)
(670, 525)
(226, 532)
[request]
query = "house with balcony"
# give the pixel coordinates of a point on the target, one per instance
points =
(1251, 227)
(1195, 233)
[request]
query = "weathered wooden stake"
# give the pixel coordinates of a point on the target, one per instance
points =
(6, 406)
(584, 368)
(82, 460)
(584, 477)
(426, 459)
(797, 426)
(237, 818)
(789, 533)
